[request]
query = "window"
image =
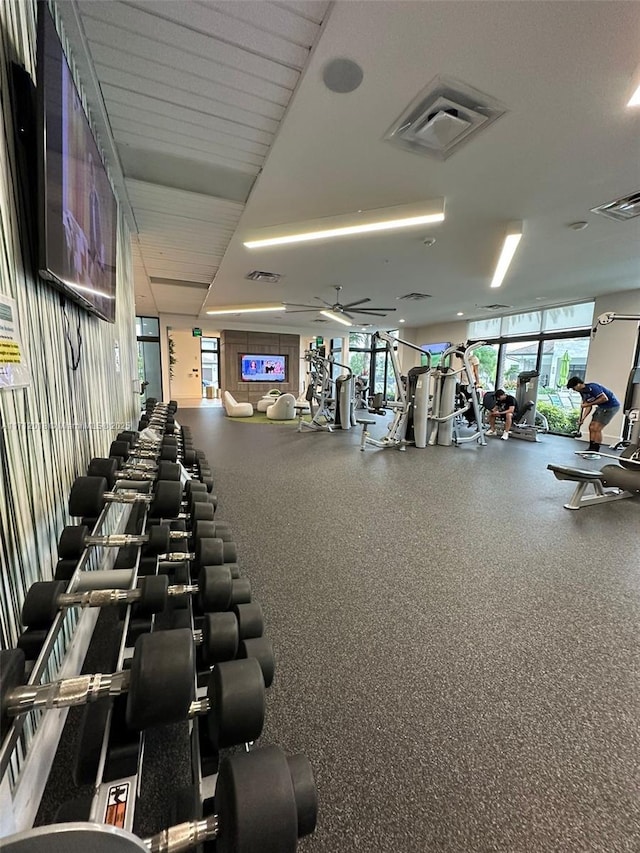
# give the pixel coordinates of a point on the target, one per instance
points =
(555, 342)
(148, 335)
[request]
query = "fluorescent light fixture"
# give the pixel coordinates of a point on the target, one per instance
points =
(362, 222)
(635, 98)
(247, 310)
(333, 316)
(513, 237)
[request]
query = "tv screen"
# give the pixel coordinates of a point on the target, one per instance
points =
(78, 208)
(435, 350)
(263, 368)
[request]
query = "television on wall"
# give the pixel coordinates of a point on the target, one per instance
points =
(435, 351)
(263, 368)
(78, 210)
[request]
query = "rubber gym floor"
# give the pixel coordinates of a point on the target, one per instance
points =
(457, 654)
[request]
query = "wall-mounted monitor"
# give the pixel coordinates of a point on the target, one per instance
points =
(263, 368)
(435, 351)
(78, 211)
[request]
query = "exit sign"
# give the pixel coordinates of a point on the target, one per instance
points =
(319, 341)
(197, 333)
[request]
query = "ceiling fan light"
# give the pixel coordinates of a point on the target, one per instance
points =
(331, 315)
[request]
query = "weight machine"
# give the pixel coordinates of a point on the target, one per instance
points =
(425, 410)
(329, 410)
(447, 408)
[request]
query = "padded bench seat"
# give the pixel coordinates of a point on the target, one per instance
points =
(620, 483)
(566, 472)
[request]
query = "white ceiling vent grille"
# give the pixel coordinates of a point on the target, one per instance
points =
(414, 297)
(178, 282)
(443, 117)
(622, 209)
(266, 277)
(495, 307)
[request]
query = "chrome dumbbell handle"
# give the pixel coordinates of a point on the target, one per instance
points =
(184, 836)
(117, 540)
(66, 693)
(98, 597)
(183, 589)
(127, 497)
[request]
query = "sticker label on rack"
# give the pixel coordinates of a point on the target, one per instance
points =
(117, 799)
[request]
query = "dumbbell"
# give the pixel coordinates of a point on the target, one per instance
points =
(75, 539)
(214, 590)
(221, 635)
(209, 551)
(90, 494)
(110, 470)
(160, 689)
(264, 802)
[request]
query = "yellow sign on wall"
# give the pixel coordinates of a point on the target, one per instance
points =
(14, 372)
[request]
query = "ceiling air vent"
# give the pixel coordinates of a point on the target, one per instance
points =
(178, 282)
(621, 209)
(415, 297)
(267, 277)
(495, 307)
(442, 117)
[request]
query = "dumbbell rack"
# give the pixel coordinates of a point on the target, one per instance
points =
(115, 794)
(68, 638)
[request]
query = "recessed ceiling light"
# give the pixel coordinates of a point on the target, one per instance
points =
(460, 314)
(578, 226)
(369, 221)
(511, 241)
(400, 321)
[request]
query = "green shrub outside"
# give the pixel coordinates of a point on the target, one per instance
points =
(559, 420)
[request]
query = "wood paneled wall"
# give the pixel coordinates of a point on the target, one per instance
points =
(234, 344)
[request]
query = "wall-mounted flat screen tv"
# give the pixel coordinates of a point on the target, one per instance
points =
(263, 368)
(435, 351)
(78, 212)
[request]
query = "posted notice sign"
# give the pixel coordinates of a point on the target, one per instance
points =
(14, 372)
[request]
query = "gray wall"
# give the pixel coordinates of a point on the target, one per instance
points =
(235, 343)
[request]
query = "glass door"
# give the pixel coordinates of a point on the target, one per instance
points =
(148, 336)
(210, 367)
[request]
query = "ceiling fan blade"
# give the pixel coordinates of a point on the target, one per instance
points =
(324, 302)
(302, 311)
(357, 302)
(371, 313)
(373, 308)
(300, 305)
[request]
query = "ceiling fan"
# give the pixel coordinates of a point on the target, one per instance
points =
(338, 308)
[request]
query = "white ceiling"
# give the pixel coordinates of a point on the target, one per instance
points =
(222, 125)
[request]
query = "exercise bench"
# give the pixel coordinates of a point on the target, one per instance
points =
(611, 483)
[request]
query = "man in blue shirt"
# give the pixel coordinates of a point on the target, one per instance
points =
(606, 403)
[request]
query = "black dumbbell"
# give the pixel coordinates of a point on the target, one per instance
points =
(160, 688)
(75, 539)
(90, 494)
(209, 551)
(214, 590)
(110, 470)
(264, 802)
